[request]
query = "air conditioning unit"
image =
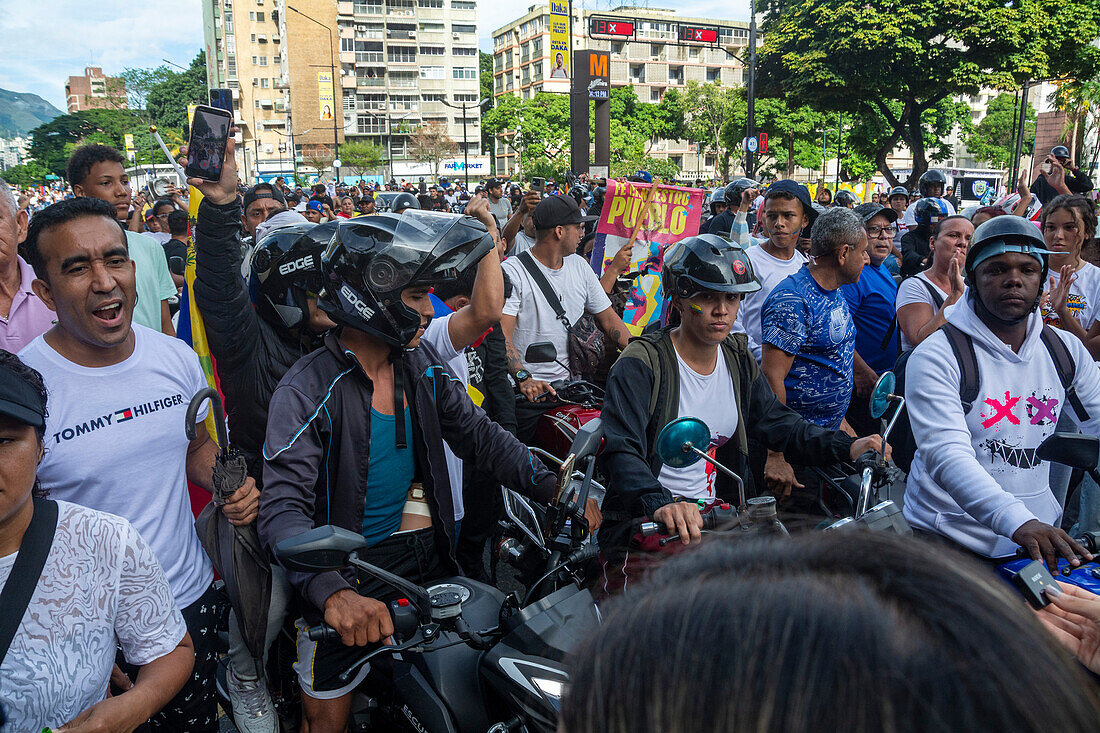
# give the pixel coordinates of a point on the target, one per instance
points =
(255, 81)
(269, 148)
(412, 34)
(456, 36)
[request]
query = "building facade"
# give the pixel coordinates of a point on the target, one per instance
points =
(94, 90)
(652, 61)
(396, 65)
(13, 152)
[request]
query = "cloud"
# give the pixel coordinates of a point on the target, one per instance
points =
(43, 43)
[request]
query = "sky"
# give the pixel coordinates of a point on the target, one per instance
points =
(43, 42)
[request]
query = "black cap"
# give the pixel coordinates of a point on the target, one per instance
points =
(869, 211)
(493, 183)
(558, 211)
(266, 191)
(800, 192)
(19, 400)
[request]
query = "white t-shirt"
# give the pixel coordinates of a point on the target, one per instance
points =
(1084, 296)
(910, 291)
(439, 337)
(770, 271)
(579, 291)
(710, 398)
(115, 442)
(101, 586)
(910, 218)
(501, 210)
(521, 243)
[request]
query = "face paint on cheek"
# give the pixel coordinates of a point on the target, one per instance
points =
(695, 307)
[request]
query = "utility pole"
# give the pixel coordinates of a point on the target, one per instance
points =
(1021, 127)
(465, 146)
(750, 117)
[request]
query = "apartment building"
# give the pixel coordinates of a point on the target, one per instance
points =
(13, 151)
(396, 64)
(652, 60)
(94, 90)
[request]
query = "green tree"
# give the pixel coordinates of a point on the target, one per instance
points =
(993, 140)
(900, 61)
(25, 175)
(537, 128)
(53, 143)
(430, 143)
(166, 102)
(361, 157)
(485, 64)
(319, 158)
(707, 108)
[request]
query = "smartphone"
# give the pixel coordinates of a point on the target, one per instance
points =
(538, 184)
(206, 148)
(222, 99)
(1045, 167)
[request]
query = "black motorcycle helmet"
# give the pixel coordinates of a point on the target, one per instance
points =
(403, 201)
(930, 210)
(845, 199)
(579, 192)
(734, 190)
(1003, 234)
(717, 198)
(1060, 151)
(598, 195)
(898, 191)
(286, 269)
(371, 259)
(706, 262)
(929, 179)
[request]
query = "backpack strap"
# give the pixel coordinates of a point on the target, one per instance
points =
(937, 304)
(936, 299)
(963, 346)
(528, 262)
(1067, 369)
(23, 579)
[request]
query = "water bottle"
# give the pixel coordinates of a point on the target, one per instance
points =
(763, 517)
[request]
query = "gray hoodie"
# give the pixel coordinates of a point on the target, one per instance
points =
(975, 478)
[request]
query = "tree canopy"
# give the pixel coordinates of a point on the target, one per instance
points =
(892, 64)
(993, 139)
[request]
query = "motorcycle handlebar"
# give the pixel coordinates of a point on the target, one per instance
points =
(405, 623)
(322, 632)
(719, 514)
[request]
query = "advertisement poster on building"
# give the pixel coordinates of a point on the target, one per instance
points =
(325, 96)
(651, 217)
(559, 39)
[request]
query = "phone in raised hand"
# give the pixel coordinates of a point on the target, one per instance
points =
(206, 147)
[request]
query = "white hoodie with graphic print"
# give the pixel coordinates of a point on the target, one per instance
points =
(975, 477)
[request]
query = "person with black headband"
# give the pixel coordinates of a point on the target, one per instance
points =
(58, 637)
(355, 436)
(983, 392)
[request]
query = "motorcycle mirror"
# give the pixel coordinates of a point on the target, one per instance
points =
(1071, 449)
(677, 439)
(881, 394)
(541, 352)
(588, 438)
(319, 549)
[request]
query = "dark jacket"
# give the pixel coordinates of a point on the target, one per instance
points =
(721, 224)
(493, 381)
(318, 448)
(633, 415)
(1076, 180)
(915, 249)
(250, 355)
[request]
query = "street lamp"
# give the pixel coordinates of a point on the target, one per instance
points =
(465, 146)
(332, 64)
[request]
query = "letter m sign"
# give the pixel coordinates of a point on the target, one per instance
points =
(597, 65)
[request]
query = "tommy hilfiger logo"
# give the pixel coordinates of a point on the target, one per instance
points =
(118, 416)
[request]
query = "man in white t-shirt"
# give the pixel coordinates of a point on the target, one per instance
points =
(519, 233)
(787, 213)
(499, 204)
(529, 317)
(115, 437)
(472, 314)
(696, 369)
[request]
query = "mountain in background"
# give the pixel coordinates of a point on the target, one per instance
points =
(21, 112)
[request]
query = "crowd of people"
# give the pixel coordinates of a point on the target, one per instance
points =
(372, 344)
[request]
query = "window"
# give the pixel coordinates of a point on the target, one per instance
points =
(228, 22)
(368, 52)
(463, 5)
(429, 3)
(637, 73)
(431, 72)
(617, 47)
(431, 50)
(403, 102)
(397, 147)
(259, 17)
(370, 101)
(676, 75)
(264, 83)
(253, 38)
(536, 46)
(466, 98)
(263, 61)
(654, 94)
(368, 125)
(402, 79)
(349, 101)
(459, 51)
(252, 16)
(347, 44)
(708, 162)
(464, 72)
(714, 74)
(463, 28)
(432, 27)
(368, 7)
(433, 97)
(655, 50)
(402, 54)
(676, 160)
(231, 65)
(435, 120)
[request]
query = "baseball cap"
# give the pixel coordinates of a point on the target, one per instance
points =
(20, 401)
(316, 206)
(796, 189)
(263, 191)
(493, 183)
(869, 211)
(558, 211)
(278, 221)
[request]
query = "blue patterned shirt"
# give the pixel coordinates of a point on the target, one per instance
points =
(814, 324)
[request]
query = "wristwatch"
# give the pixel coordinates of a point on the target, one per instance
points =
(522, 376)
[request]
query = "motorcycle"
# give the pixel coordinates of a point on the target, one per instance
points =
(1076, 451)
(465, 657)
(535, 539)
(558, 427)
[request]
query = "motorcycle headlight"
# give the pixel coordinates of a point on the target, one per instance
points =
(553, 689)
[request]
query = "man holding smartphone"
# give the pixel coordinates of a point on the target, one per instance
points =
(1057, 175)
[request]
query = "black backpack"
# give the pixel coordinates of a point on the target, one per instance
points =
(901, 437)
